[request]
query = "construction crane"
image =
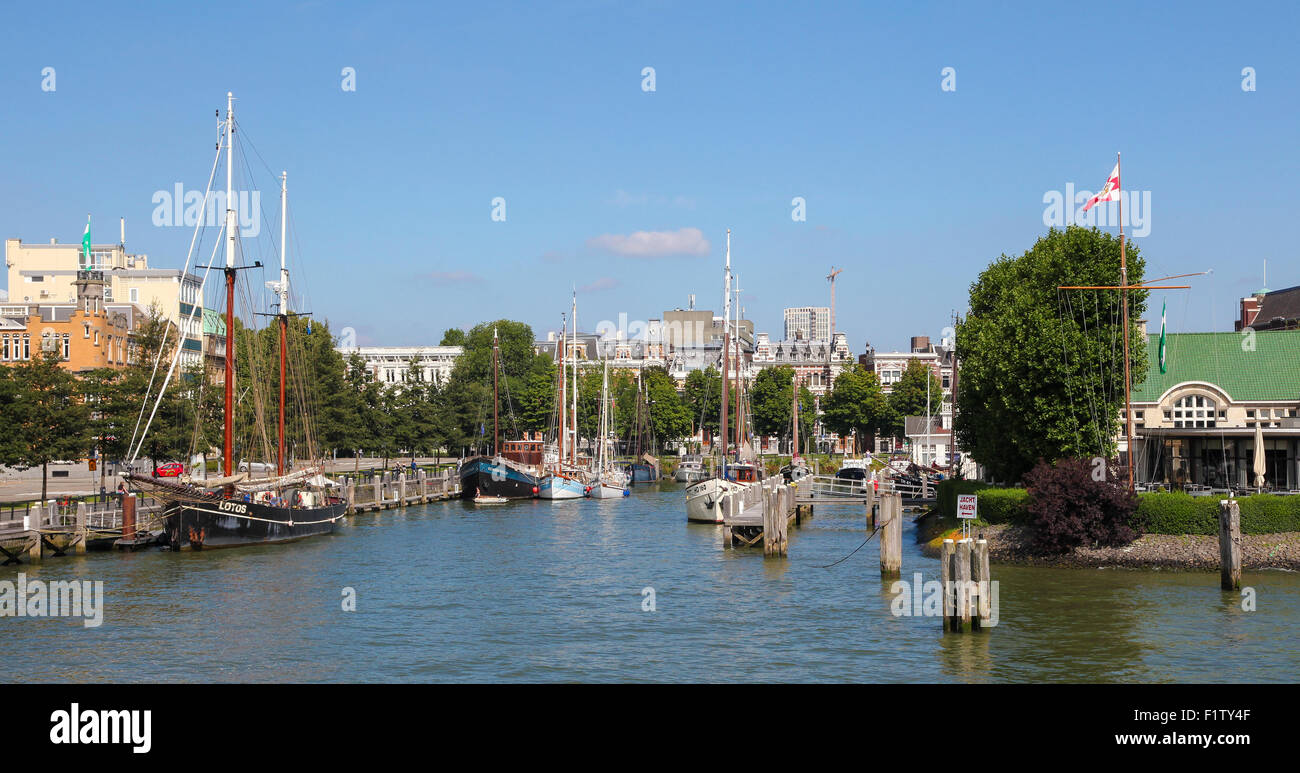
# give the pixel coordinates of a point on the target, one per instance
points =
(831, 276)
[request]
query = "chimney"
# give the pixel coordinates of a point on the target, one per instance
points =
(1249, 310)
(123, 232)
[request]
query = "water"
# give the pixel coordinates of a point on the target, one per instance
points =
(552, 591)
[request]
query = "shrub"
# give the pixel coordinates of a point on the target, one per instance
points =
(1179, 513)
(1069, 507)
(1003, 505)
(946, 492)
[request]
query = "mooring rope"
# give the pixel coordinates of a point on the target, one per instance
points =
(859, 547)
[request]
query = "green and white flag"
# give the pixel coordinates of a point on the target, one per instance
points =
(85, 245)
(1162, 336)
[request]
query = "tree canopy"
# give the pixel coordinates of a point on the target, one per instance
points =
(1042, 368)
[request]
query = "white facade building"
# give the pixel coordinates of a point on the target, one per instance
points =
(392, 364)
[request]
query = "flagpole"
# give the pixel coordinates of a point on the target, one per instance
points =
(1123, 281)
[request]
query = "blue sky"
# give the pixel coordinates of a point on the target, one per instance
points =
(910, 188)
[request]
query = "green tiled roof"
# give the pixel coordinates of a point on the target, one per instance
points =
(213, 323)
(1270, 372)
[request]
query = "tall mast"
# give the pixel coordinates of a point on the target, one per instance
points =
(574, 452)
(228, 431)
(283, 289)
(726, 351)
(562, 428)
(496, 397)
(740, 381)
(1123, 281)
(604, 418)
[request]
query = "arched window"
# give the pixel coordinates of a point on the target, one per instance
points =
(1194, 411)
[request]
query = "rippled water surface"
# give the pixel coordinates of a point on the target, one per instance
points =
(552, 591)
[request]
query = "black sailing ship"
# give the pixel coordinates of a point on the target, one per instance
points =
(235, 511)
(510, 472)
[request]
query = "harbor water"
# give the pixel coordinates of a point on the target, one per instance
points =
(624, 590)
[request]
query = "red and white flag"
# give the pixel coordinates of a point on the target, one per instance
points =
(1109, 193)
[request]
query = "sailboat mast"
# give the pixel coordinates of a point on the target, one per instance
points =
(574, 452)
(740, 382)
(1123, 281)
(562, 428)
(496, 397)
(228, 428)
(284, 312)
(726, 352)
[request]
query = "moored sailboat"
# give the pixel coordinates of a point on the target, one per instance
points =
(234, 510)
(505, 472)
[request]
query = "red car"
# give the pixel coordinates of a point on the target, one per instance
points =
(169, 470)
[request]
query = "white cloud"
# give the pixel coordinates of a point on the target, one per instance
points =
(653, 244)
(604, 283)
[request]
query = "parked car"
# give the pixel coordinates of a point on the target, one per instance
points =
(169, 470)
(262, 467)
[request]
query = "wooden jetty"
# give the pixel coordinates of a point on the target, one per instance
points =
(382, 491)
(761, 511)
(55, 528)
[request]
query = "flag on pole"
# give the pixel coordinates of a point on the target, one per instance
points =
(1162, 336)
(85, 245)
(1108, 193)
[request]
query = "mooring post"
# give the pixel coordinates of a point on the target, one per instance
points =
(33, 552)
(727, 505)
(870, 499)
(963, 585)
(891, 545)
(983, 583)
(1229, 544)
(401, 489)
(128, 517)
(350, 492)
(946, 554)
(80, 546)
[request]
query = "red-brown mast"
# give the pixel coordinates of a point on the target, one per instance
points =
(228, 433)
(496, 397)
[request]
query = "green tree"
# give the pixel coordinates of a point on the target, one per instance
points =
(1042, 368)
(771, 396)
(908, 397)
(453, 336)
(47, 418)
(702, 394)
(856, 403)
(474, 366)
(668, 416)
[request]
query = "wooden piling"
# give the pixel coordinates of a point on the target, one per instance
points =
(962, 584)
(350, 493)
(945, 580)
(128, 517)
(80, 540)
(891, 535)
(401, 490)
(775, 542)
(983, 584)
(1229, 544)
